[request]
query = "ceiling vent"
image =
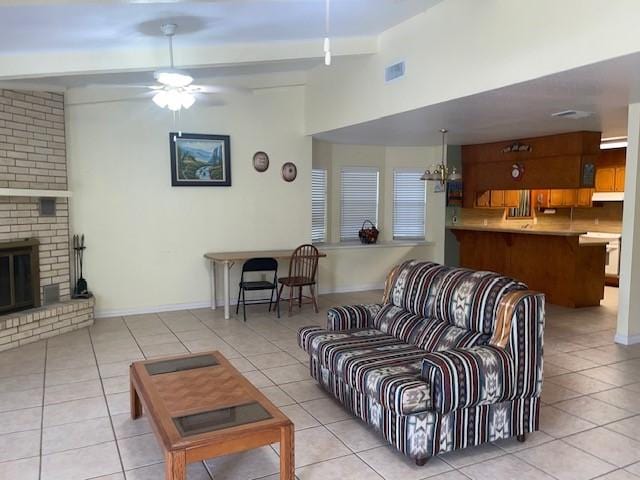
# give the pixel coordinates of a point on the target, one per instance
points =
(394, 72)
(572, 114)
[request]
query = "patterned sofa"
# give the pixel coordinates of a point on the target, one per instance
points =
(451, 358)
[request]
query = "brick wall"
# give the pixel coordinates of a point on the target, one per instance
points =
(33, 156)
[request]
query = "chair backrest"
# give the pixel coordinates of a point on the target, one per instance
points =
(260, 264)
(304, 262)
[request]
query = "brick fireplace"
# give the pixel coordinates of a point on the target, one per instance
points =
(34, 207)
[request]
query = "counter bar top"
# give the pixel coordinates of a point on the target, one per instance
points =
(529, 231)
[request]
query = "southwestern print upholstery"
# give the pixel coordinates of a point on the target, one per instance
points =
(452, 358)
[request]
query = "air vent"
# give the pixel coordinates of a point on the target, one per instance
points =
(51, 294)
(572, 114)
(394, 72)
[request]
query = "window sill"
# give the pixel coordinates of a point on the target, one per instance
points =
(356, 244)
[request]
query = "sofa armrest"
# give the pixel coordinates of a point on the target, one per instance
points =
(350, 317)
(465, 377)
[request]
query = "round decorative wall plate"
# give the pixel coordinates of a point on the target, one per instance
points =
(289, 172)
(260, 161)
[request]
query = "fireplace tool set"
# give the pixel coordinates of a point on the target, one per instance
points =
(80, 289)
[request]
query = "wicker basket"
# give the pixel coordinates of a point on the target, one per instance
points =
(370, 234)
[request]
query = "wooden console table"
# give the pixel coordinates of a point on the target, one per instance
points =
(228, 259)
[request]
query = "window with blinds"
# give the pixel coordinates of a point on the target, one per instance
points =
(318, 205)
(409, 203)
(359, 200)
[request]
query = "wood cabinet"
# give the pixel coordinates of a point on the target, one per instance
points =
(483, 199)
(559, 198)
(610, 179)
(511, 198)
(497, 198)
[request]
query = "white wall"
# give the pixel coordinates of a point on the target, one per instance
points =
(145, 238)
(462, 47)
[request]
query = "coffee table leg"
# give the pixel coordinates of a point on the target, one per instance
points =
(175, 465)
(136, 406)
(287, 456)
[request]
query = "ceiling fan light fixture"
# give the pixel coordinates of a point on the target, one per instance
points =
(160, 99)
(173, 77)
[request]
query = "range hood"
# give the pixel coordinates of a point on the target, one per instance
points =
(608, 197)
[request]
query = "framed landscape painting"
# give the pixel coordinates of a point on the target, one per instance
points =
(199, 160)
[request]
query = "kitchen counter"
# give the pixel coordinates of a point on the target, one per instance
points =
(567, 268)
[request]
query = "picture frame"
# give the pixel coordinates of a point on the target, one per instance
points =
(200, 160)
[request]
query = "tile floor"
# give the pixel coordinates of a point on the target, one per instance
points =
(52, 430)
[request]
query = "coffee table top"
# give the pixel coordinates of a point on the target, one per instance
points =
(197, 398)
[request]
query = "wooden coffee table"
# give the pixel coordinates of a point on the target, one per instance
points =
(201, 407)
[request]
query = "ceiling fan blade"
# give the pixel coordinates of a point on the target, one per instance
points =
(123, 86)
(216, 89)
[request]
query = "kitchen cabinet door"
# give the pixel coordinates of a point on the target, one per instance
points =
(584, 197)
(511, 198)
(497, 198)
(483, 199)
(570, 197)
(556, 198)
(605, 179)
(540, 198)
(619, 180)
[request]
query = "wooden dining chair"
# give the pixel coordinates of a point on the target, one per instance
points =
(303, 268)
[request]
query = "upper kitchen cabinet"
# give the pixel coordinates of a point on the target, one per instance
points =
(610, 171)
(563, 161)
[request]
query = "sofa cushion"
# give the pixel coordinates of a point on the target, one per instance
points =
(430, 334)
(371, 362)
(464, 298)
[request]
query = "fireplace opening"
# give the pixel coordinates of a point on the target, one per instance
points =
(19, 275)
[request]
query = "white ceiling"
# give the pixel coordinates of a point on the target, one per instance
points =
(516, 111)
(64, 25)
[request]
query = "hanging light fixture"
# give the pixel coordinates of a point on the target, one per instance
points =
(327, 41)
(441, 173)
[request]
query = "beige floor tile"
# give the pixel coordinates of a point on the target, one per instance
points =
(304, 391)
(195, 471)
(287, 374)
(356, 435)
(25, 469)
(73, 375)
(21, 399)
(71, 436)
(634, 469)
(344, 468)
(65, 363)
(559, 424)
(507, 467)
(470, 455)
(620, 397)
(164, 349)
(629, 427)
(17, 445)
(83, 463)
(114, 369)
(125, 427)
(113, 476)
(619, 475)
(76, 391)
(140, 451)
(118, 403)
(249, 465)
(242, 364)
(21, 382)
(565, 462)
(272, 360)
(315, 445)
(326, 410)
(570, 362)
(533, 439)
(300, 417)
(553, 393)
(580, 383)
(258, 379)
(392, 465)
(277, 396)
(593, 410)
(551, 370)
(158, 339)
(74, 411)
(117, 384)
(607, 445)
(612, 376)
(20, 420)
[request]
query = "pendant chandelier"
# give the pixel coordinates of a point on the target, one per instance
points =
(441, 173)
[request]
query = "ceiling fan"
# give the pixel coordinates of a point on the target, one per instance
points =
(175, 89)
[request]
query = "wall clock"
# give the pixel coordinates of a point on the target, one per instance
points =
(289, 172)
(260, 161)
(517, 171)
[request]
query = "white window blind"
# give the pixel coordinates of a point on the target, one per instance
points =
(359, 200)
(318, 205)
(408, 205)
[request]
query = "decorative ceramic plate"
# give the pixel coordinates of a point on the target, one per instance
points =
(260, 161)
(289, 172)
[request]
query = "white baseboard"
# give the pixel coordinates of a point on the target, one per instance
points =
(627, 339)
(121, 312)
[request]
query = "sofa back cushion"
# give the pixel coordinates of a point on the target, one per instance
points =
(460, 297)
